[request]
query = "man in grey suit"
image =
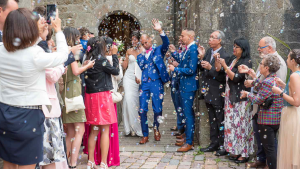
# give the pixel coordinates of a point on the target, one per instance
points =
(267, 45)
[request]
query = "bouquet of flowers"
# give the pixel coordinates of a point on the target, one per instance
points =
(119, 44)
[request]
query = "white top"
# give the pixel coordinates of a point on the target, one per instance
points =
(22, 73)
(115, 79)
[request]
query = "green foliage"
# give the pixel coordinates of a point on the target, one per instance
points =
(217, 160)
(199, 152)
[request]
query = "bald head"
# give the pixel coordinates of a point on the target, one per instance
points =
(146, 41)
(187, 36)
(6, 6)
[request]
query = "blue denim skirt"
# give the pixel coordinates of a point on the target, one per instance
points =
(21, 135)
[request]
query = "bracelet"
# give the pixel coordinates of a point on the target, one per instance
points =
(226, 69)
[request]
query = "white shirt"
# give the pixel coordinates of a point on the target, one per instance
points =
(22, 73)
(148, 54)
(214, 52)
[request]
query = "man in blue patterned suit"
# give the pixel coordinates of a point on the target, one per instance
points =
(154, 75)
(187, 71)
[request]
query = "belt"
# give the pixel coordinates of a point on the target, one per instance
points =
(27, 107)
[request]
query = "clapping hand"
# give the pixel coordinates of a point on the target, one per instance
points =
(243, 69)
(276, 90)
(279, 82)
(248, 83)
(171, 67)
(156, 25)
(221, 61)
(201, 51)
(206, 65)
(243, 94)
(216, 56)
(172, 48)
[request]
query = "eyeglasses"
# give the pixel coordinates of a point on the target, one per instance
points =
(234, 47)
(213, 38)
(263, 47)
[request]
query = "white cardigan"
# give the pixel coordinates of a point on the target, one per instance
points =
(22, 73)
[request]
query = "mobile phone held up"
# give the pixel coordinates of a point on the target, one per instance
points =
(51, 12)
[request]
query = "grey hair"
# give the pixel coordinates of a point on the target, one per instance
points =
(272, 62)
(270, 41)
(221, 36)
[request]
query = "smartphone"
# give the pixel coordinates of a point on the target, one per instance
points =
(51, 12)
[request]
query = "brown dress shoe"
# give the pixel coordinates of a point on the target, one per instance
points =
(181, 136)
(185, 148)
(144, 140)
(156, 135)
(179, 144)
(256, 164)
(180, 140)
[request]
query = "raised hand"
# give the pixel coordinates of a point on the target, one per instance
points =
(114, 49)
(156, 25)
(279, 82)
(56, 23)
(201, 51)
(76, 49)
(243, 69)
(172, 48)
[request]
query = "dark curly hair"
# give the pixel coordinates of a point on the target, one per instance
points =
(295, 54)
(95, 47)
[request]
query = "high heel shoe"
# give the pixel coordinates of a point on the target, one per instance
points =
(91, 167)
(103, 164)
(71, 167)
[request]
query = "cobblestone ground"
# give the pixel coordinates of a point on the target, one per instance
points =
(162, 154)
(172, 160)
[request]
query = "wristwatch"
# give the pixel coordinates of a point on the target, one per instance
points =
(281, 94)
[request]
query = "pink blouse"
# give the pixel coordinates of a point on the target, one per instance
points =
(52, 76)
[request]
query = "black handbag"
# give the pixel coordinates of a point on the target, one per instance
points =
(267, 103)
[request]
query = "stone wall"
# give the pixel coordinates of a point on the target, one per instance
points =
(252, 19)
(89, 13)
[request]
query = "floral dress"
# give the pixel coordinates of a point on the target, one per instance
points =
(238, 125)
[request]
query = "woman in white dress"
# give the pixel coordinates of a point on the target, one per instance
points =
(130, 108)
(288, 153)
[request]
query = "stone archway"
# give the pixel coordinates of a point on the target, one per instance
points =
(119, 25)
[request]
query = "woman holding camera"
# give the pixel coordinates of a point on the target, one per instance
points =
(270, 106)
(23, 88)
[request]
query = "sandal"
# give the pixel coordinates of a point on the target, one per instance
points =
(91, 167)
(103, 164)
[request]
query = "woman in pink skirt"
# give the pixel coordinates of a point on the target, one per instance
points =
(113, 158)
(100, 110)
